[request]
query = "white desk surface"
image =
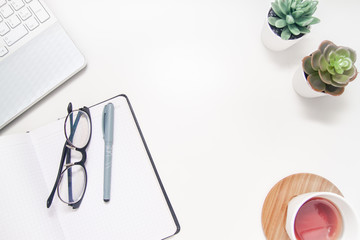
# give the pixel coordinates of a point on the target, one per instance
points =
(217, 108)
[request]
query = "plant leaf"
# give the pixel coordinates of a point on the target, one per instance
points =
(301, 4)
(293, 29)
(351, 72)
(303, 30)
(355, 74)
(297, 14)
(338, 69)
(306, 7)
(290, 19)
(304, 21)
(312, 9)
(335, 84)
(334, 91)
(315, 60)
(325, 77)
(324, 44)
(275, 7)
(280, 23)
(352, 55)
(328, 50)
(285, 34)
(289, 2)
(306, 65)
(314, 21)
(272, 20)
(283, 7)
(316, 83)
(343, 52)
(323, 64)
(331, 70)
(346, 64)
(341, 79)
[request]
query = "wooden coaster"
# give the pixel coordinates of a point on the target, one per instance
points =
(275, 205)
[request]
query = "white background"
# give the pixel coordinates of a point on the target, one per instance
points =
(216, 107)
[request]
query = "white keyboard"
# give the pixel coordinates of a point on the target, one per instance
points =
(20, 20)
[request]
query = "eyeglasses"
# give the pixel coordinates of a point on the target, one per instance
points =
(71, 182)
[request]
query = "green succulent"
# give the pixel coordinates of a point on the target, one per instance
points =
(330, 68)
(293, 16)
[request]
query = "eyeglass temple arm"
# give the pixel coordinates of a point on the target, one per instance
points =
(77, 204)
(85, 109)
(68, 155)
(73, 127)
(51, 197)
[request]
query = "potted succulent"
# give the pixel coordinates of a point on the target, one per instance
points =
(287, 22)
(326, 71)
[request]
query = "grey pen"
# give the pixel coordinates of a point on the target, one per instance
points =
(108, 134)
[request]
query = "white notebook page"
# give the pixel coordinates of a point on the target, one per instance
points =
(137, 209)
(22, 202)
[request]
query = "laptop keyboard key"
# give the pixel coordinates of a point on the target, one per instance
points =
(13, 21)
(15, 35)
(6, 11)
(17, 4)
(3, 28)
(24, 13)
(3, 51)
(31, 23)
(2, 2)
(39, 11)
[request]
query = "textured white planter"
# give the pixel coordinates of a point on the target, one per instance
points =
(302, 86)
(273, 41)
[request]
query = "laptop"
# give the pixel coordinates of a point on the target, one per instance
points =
(36, 56)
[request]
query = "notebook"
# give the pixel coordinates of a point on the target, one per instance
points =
(36, 56)
(139, 208)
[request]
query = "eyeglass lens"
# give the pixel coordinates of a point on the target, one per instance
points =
(72, 184)
(77, 128)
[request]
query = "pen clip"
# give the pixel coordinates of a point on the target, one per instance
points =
(104, 120)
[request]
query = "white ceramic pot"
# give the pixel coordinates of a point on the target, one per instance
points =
(275, 42)
(302, 86)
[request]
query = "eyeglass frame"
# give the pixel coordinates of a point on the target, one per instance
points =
(68, 146)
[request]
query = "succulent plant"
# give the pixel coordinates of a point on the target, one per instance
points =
(293, 17)
(330, 68)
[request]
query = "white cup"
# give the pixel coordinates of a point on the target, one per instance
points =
(349, 218)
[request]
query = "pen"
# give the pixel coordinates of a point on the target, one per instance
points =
(108, 134)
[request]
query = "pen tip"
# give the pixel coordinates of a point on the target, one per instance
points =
(106, 200)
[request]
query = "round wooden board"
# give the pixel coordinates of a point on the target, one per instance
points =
(273, 215)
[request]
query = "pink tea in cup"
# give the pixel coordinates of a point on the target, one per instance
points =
(318, 219)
